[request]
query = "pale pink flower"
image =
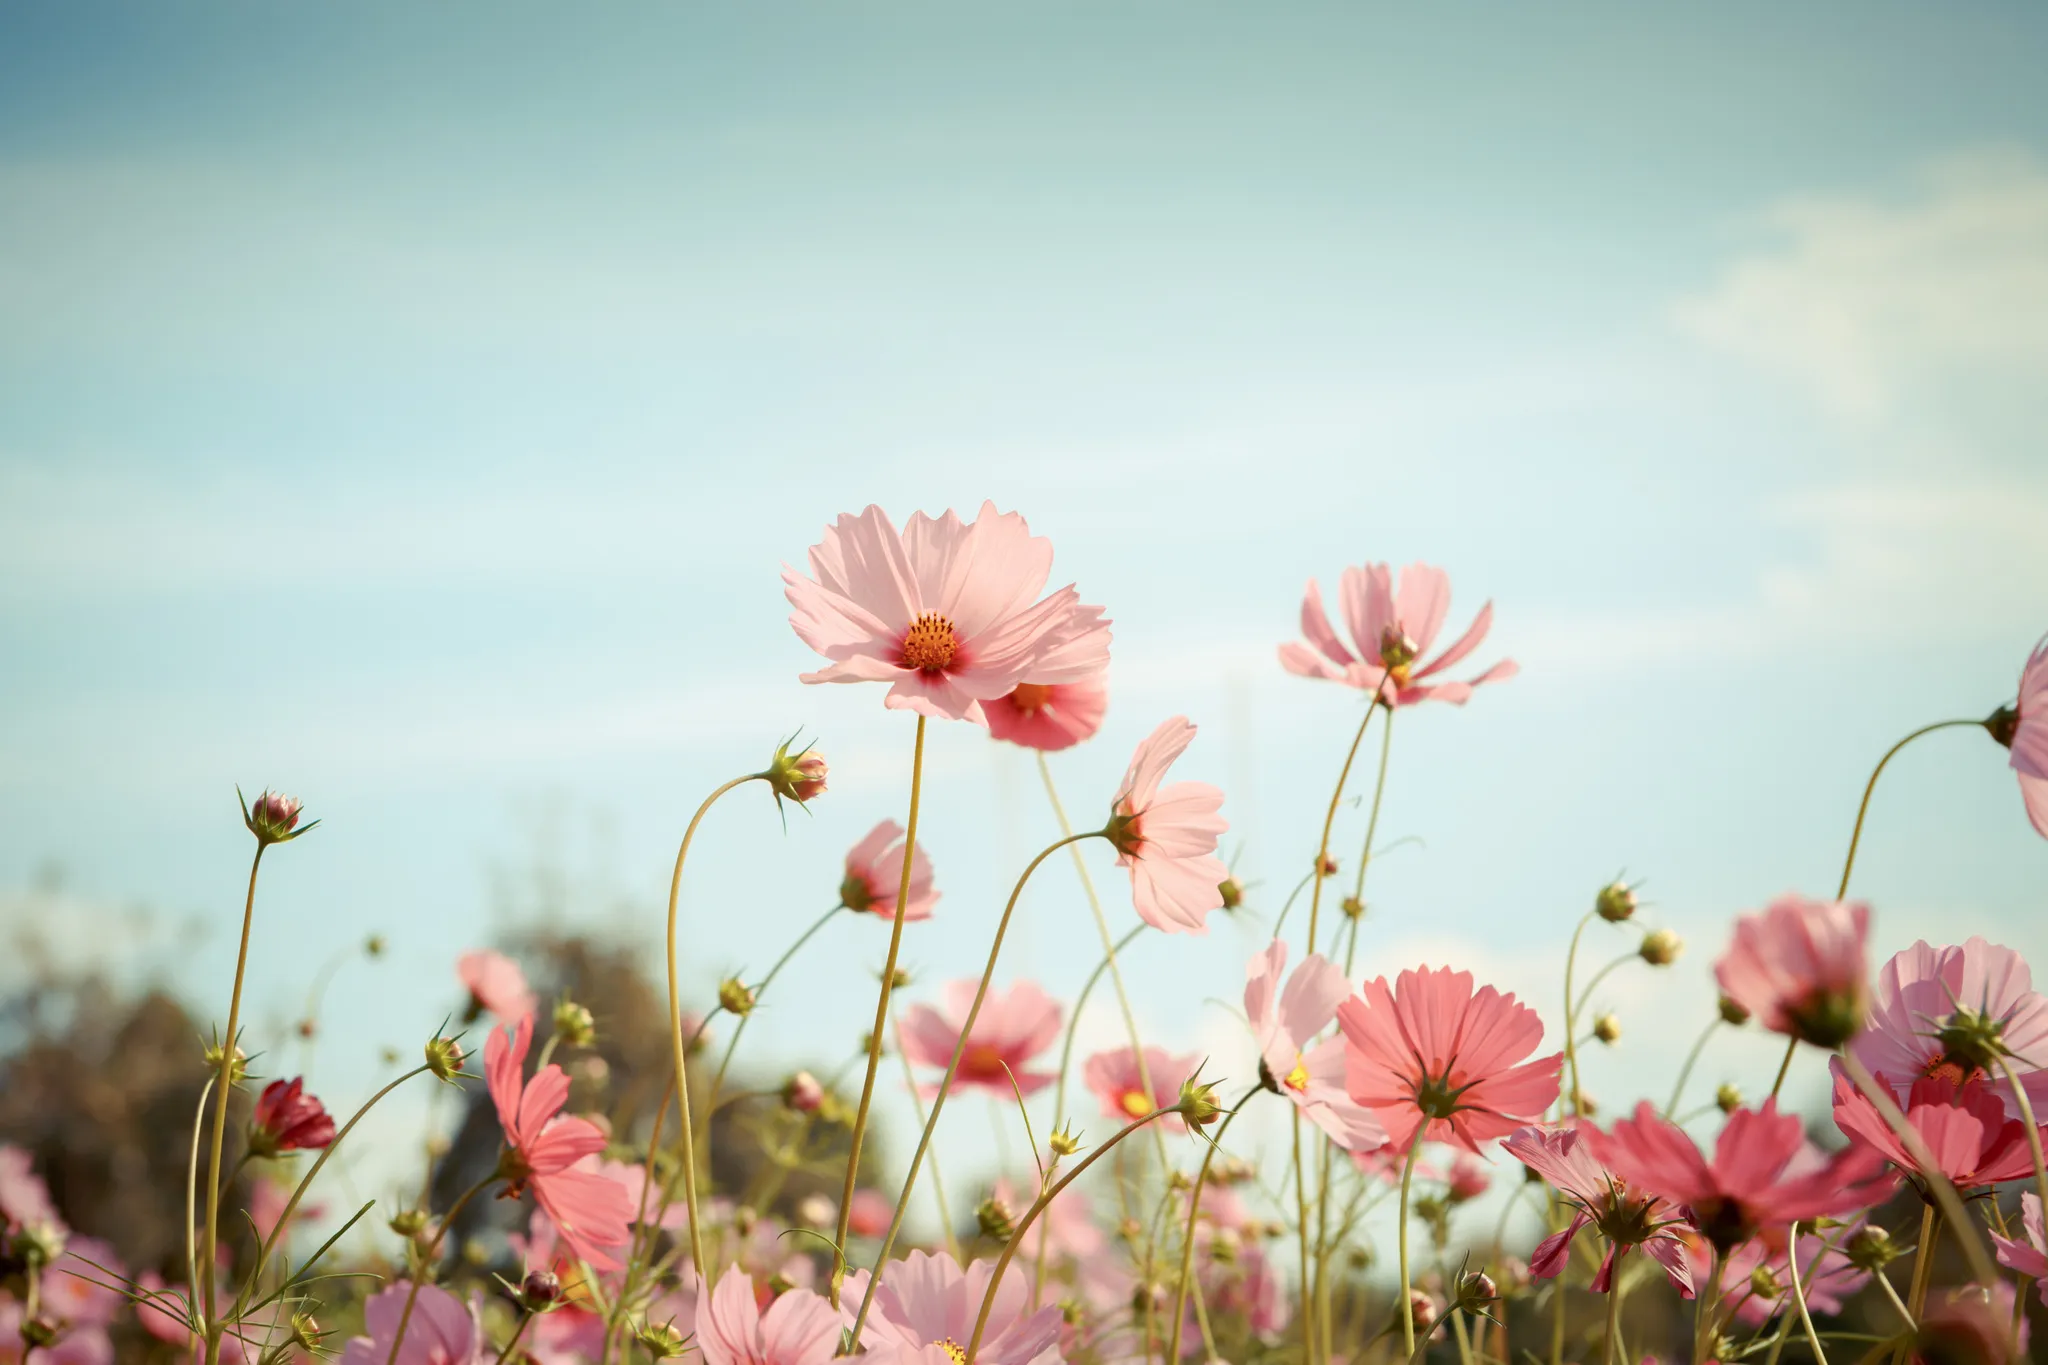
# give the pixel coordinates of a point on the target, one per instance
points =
(2025, 732)
(871, 1213)
(631, 1177)
(24, 1198)
(1467, 1179)
(1428, 1051)
(1964, 1128)
(874, 873)
(946, 612)
(799, 1328)
(1011, 1029)
(77, 1288)
(2030, 1256)
(1049, 716)
(1800, 968)
(1628, 1218)
(1763, 1176)
(1933, 1008)
(443, 1330)
(1114, 1079)
(1392, 630)
(496, 986)
(556, 1155)
(1067, 1221)
(1827, 1276)
(1167, 837)
(925, 1309)
(1285, 1021)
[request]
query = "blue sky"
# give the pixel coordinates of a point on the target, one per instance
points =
(414, 413)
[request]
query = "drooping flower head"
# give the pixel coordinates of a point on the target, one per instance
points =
(1285, 1021)
(874, 874)
(1964, 1128)
(1392, 630)
(1049, 716)
(287, 1119)
(925, 1307)
(1953, 1012)
(1113, 1077)
(555, 1154)
(496, 986)
(1167, 836)
(947, 612)
(1011, 1030)
(1764, 1175)
(798, 1328)
(1429, 1052)
(1800, 967)
(2023, 728)
(1628, 1218)
(443, 1330)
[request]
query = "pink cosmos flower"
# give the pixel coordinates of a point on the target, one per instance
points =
(1965, 1130)
(77, 1343)
(1114, 1079)
(267, 1200)
(1972, 1323)
(871, 1213)
(496, 986)
(1764, 1174)
(1938, 1011)
(2024, 729)
(946, 612)
(2029, 1257)
(1392, 630)
(443, 1330)
(1011, 1029)
(1827, 1276)
(1167, 838)
(555, 1154)
(286, 1119)
(874, 873)
(24, 1198)
(1430, 1052)
(631, 1177)
(1049, 716)
(1628, 1218)
(77, 1289)
(1467, 1179)
(1800, 968)
(1287, 1020)
(925, 1308)
(799, 1328)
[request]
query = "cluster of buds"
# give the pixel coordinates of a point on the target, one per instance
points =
(796, 776)
(574, 1024)
(274, 819)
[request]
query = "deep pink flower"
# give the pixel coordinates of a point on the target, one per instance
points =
(2028, 1257)
(496, 986)
(2026, 734)
(1167, 837)
(1764, 1174)
(554, 1154)
(874, 873)
(1428, 1051)
(286, 1119)
(1800, 968)
(1113, 1078)
(443, 1329)
(1049, 715)
(1938, 1011)
(1965, 1130)
(1628, 1218)
(799, 1328)
(24, 1198)
(1468, 1178)
(1011, 1029)
(1827, 1276)
(1392, 630)
(871, 1213)
(1285, 1021)
(946, 612)
(925, 1309)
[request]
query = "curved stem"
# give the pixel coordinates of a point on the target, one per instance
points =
(1187, 1245)
(867, 1088)
(732, 1043)
(1943, 1189)
(917, 1108)
(1406, 1308)
(1571, 1051)
(924, 1139)
(684, 1127)
(1863, 809)
(192, 1188)
(1691, 1059)
(1315, 899)
(1372, 821)
(1791, 1046)
(1606, 970)
(1923, 1272)
(427, 1258)
(209, 1260)
(2026, 1105)
(1799, 1294)
(1287, 906)
(506, 1352)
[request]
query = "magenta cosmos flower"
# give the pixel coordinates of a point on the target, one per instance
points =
(1167, 836)
(1114, 1079)
(1049, 716)
(1393, 630)
(1009, 1032)
(947, 612)
(496, 986)
(1763, 1177)
(1963, 1126)
(1429, 1053)
(2023, 728)
(1948, 1011)
(443, 1330)
(799, 1328)
(1285, 1021)
(287, 1119)
(874, 873)
(1800, 968)
(1628, 1218)
(925, 1308)
(556, 1155)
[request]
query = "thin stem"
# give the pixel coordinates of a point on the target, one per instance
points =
(1187, 1245)
(1799, 1293)
(1372, 821)
(732, 1043)
(1405, 1308)
(1287, 906)
(924, 1138)
(1691, 1059)
(192, 1187)
(2033, 1133)
(1571, 1052)
(1863, 809)
(209, 1260)
(1791, 1046)
(1315, 898)
(1923, 1271)
(427, 1257)
(867, 1088)
(1705, 1309)
(505, 1353)
(1951, 1203)
(917, 1108)
(1308, 1326)
(1610, 1351)
(684, 1127)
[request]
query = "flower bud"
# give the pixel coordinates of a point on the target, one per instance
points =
(743, 1219)
(410, 1224)
(1230, 1170)
(735, 996)
(2004, 725)
(240, 1069)
(307, 1334)
(1422, 1310)
(1607, 1028)
(374, 945)
(661, 1340)
(574, 1024)
(1728, 1098)
(899, 978)
(816, 1211)
(799, 776)
(1224, 1246)
(444, 1058)
(539, 1291)
(1199, 1103)
(1072, 1312)
(1475, 1291)
(803, 1093)
(1064, 1141)
(1661, 947)
(1616, 902)
(307, 1028)
(1732, 1012)
(1765, 1284)
(1871, 1248)
(40, 1330)
(1326, 866)
(274, 818)
(39, 1243)
(1352, 907)
(1359, 1258)
(995, 1219)
(1232, 891)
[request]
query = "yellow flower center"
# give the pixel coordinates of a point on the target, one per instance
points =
(1136, 1103)
(1031, 698)
(1297, 1079)
(930, 644)
(952, 1350)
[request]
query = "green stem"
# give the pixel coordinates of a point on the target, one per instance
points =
(1287, 906)
(517, 1332)
(1799, 1295)
(1982, 1267)
(2033, 1133)
(1187, 1245)
(1612, 1348)
(1405, 1308)
(732, 1043)
(1315, 899)
(1571, 1051)
(917, 1108)
(1372, 821)
(1856, 835)
(1308, 1326)
(427, 1257)
(192, 1187)
(1791, 1046)
(209, 1259)
(1691, 1059)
